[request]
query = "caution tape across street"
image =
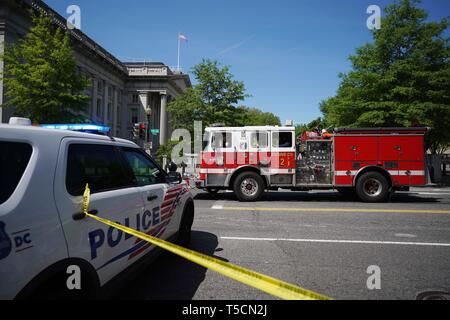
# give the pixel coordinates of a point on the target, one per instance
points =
(251, 278)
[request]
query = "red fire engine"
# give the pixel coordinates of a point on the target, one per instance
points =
(373, 163)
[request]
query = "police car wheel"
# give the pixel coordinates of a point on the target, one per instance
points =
(372, 187)
(184, 233)
(248, 186)
(55, 289)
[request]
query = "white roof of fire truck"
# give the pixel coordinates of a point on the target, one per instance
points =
(260, 128)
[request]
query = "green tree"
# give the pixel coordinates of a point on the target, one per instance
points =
(255, 117)
(40, 76)
(216, 86)
(212, 100)
(165, 151)
(401, 79)
(186, 109)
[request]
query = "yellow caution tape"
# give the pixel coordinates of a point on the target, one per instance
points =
(257, 280)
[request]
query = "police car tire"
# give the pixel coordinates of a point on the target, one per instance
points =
(237, 186)
(379, 178)
(185, 231)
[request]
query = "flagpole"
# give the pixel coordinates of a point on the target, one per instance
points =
(178, 66)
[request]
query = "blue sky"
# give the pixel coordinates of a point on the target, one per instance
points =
(288, 52)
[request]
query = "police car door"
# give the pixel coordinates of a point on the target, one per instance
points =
(152, 181)
(114, 196)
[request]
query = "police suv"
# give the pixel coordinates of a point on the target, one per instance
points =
(43, 174)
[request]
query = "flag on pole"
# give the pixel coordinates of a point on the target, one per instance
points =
(183, 37)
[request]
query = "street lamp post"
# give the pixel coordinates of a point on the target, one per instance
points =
(148, 135)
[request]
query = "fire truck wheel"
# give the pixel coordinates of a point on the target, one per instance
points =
(372, 187)
(248, 186)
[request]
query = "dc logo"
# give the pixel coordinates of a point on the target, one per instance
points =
(5, 242)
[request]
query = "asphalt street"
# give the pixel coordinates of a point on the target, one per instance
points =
(318, 240)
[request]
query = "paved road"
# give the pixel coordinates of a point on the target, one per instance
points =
(319, 240)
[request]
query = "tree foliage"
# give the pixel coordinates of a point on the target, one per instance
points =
(40, 76)
(256, 117)
(214, 100)
(401, 79)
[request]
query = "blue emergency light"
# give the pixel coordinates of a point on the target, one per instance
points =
(85, 127)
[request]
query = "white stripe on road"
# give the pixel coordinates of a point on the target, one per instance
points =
(429, 193)
(428, 244)
(219, 205)
(332, 210)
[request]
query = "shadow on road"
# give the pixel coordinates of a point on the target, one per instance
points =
(171, 277)
(314, 197)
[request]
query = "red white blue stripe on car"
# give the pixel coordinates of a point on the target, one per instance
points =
(167, 210)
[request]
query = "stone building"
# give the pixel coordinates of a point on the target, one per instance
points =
(122, 93)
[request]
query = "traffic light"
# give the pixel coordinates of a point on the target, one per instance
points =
(136, 131)
(142, 131)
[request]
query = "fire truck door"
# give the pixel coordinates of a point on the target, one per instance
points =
(259, 148)
(390, 150)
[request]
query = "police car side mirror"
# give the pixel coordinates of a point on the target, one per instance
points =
(172, 167)
(174, 177)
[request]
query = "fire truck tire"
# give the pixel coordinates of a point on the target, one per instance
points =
(372, 187)
(248, 186)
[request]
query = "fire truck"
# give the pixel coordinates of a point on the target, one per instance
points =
(371, 163)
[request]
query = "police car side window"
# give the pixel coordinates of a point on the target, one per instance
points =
(14, 158)
(98, 165)
(145, 170)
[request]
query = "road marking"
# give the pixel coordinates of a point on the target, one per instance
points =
(429, 193)
(405, 235)
(219, 205)
(341, 210)
(427, 244)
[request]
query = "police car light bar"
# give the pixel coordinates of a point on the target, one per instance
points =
(77, 127)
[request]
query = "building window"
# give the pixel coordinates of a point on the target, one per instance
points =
(135, 98)
(134, 116)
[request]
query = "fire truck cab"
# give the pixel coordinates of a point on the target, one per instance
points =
(372, 163)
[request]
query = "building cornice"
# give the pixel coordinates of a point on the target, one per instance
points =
(153, 71)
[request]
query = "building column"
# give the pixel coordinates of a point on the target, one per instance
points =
(163, 120)
(143, 97)
(93, 112)
(114, 112)
(105, 103)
